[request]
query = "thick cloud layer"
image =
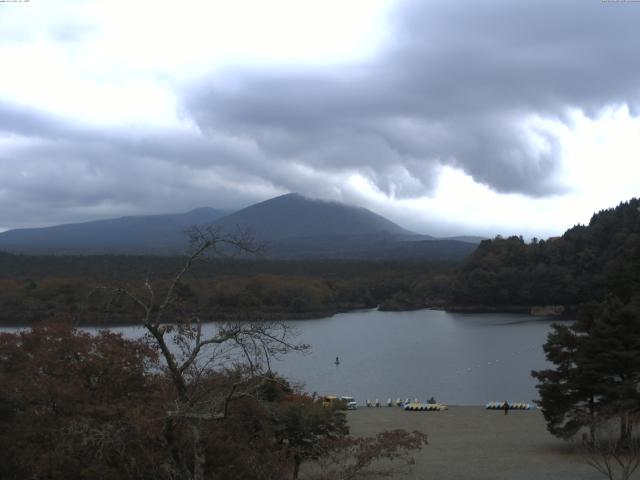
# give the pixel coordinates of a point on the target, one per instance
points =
(467, 84)
(479, 86)
(55, 171)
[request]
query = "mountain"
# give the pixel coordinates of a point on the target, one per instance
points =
(290, 226)
(294, 216)
(151, 234)
(467, 238)
(293, 226)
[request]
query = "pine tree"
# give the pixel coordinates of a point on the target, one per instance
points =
(597, 371)
(569, 394)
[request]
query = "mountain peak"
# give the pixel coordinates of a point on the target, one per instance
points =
(293, 226)
(295, 216)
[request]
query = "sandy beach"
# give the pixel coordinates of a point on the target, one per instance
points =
(472, 443)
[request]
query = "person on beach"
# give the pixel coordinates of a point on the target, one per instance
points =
(506, 407)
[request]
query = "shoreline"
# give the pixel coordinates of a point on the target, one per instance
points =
(226, 317)
(533, 311)
(558, 311)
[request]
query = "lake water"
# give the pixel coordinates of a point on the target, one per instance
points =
(463, 359)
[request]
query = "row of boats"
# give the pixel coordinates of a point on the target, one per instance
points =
(508, 406)
(398, 402)
(416, 406)
(425, 407)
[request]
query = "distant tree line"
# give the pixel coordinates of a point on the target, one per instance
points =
(33, 288)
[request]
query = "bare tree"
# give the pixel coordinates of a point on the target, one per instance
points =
(387, 455)
(615, 457)
(194, 354)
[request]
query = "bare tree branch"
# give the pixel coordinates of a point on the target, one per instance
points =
(198, 362)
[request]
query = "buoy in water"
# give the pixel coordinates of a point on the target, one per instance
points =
(337, 362)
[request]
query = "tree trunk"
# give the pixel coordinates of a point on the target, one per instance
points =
(296, 466)
(170, 440)
(199, 455)
(625, 430)
(592, 422)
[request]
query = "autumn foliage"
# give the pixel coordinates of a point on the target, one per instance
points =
(75, 405)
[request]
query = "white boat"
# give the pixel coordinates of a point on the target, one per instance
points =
(350, 403)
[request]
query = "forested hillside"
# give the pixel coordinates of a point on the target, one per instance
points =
(586, 264)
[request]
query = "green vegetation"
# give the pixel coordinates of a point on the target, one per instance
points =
(33, 288)
(586, 264)
(597, 372)
(594, 385)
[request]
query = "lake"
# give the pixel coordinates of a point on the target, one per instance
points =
(463, 359)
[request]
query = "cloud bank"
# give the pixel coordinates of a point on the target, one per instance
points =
(462, 85)
(486, 89)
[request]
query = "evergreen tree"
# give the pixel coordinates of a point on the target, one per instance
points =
(586, 263)
(570, 393)
(597, 371)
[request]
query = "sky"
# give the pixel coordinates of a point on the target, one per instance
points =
(484, 118)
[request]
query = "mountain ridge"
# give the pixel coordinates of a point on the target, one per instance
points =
(132, 231)
(291, 226)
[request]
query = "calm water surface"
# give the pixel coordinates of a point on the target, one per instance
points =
(464, 359)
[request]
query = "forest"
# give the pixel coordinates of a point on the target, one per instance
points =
(33, 288)
(586, 264)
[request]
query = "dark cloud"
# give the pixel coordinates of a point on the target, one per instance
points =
(460, 84)
(55, 171)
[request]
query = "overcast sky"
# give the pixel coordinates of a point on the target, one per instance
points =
(448, 117)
